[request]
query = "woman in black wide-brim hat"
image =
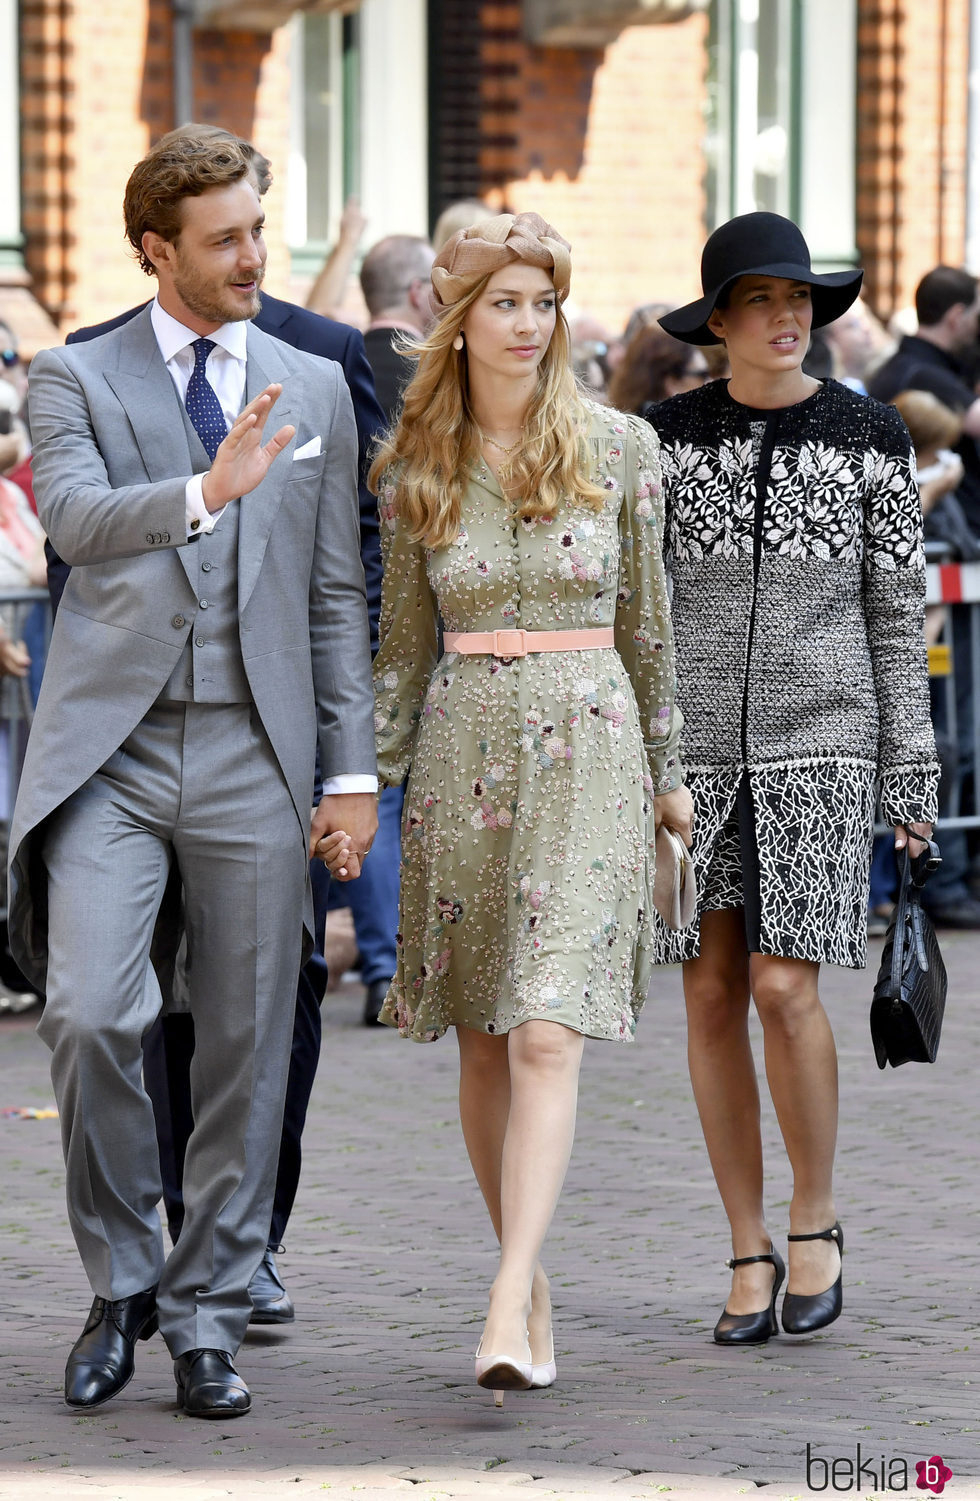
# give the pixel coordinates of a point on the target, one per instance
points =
(794, 538)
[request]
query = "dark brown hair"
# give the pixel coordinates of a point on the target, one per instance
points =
(940, 289)
(652, 355)
(184, 164)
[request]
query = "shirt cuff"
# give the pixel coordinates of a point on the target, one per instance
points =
(352, 781)
(199, 519)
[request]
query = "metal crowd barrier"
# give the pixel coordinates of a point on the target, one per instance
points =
(952, 583)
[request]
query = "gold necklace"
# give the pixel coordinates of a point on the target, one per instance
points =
(487, 438)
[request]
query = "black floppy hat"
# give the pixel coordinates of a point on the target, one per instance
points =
(759, 244)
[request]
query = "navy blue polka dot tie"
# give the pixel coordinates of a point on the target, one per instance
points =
(203, 406)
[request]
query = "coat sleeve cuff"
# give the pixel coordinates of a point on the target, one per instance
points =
(909, 794)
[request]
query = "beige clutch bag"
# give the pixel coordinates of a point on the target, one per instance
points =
(674, 890)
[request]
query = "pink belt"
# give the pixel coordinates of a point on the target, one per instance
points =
(519, 643)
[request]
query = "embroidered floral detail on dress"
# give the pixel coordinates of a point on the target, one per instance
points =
(536, 765)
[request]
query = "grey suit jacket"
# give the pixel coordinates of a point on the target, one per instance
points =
(111, 461)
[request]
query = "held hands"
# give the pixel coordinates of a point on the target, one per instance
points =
(342, 832)
(242, 461)
(676, 810)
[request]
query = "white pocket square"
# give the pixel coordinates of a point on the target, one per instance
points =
(309, 450)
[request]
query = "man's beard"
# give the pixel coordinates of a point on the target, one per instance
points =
(201, 298)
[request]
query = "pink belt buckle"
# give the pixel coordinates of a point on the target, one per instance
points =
(501, 648)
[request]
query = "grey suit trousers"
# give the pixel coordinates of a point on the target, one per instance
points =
(197, 784)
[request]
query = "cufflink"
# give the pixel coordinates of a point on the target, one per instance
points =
(195, 524)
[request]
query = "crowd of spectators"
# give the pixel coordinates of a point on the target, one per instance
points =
(22, 625)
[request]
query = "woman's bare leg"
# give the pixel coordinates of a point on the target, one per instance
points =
(484, 1110)
(543, 1060)
(716, 992)
(801, 1067)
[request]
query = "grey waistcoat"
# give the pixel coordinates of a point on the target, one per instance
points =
(210, 669)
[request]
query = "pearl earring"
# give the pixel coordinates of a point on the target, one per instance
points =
(458, 343)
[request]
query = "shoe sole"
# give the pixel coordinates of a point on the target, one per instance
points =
(214, 1412)
(503, 1378)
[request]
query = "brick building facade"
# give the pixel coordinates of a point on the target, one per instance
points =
(912, 138)
(609, 142)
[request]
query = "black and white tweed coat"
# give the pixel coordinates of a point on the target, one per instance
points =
(794, 539)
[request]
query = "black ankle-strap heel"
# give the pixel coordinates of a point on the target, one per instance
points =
(805, 1312)
(752, 1328)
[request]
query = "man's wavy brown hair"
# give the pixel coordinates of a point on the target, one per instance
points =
(178, 167)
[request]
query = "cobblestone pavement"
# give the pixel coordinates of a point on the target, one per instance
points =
(389, 1257)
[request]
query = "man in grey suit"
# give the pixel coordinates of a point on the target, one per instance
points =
(212, 631)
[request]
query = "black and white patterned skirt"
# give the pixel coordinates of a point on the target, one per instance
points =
(791, 845)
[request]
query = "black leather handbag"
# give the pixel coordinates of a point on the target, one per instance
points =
(910, 991)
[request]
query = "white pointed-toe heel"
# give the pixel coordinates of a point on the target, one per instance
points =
(545, 1374)
(502, 1373)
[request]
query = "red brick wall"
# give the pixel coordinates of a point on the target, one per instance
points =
(46, 143)
(913, 60)
(608, 147)
(97, 92)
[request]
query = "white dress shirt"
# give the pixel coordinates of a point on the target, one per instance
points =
(225, 372)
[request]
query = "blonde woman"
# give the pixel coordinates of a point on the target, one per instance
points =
(540, 750)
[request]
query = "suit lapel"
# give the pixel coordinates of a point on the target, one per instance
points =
(260, 508)
(149, 398)
(142, 383)
(144, 387)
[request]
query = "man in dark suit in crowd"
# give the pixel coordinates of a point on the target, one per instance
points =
(395, 281)
(169, 1046)
(396, 286)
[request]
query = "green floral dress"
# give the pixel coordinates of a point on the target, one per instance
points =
(527, 832)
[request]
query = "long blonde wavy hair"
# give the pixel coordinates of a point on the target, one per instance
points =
(428, 455)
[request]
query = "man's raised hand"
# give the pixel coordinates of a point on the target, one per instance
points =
(243, 460)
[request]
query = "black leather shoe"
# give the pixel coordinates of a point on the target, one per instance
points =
(208, 1386)
(102, 1358)
(752, 1328)
(271, 1303)
(805, 1312)
(374, 999)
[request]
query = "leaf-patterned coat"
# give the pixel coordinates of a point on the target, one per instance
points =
(527, 833)
(794, 539)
